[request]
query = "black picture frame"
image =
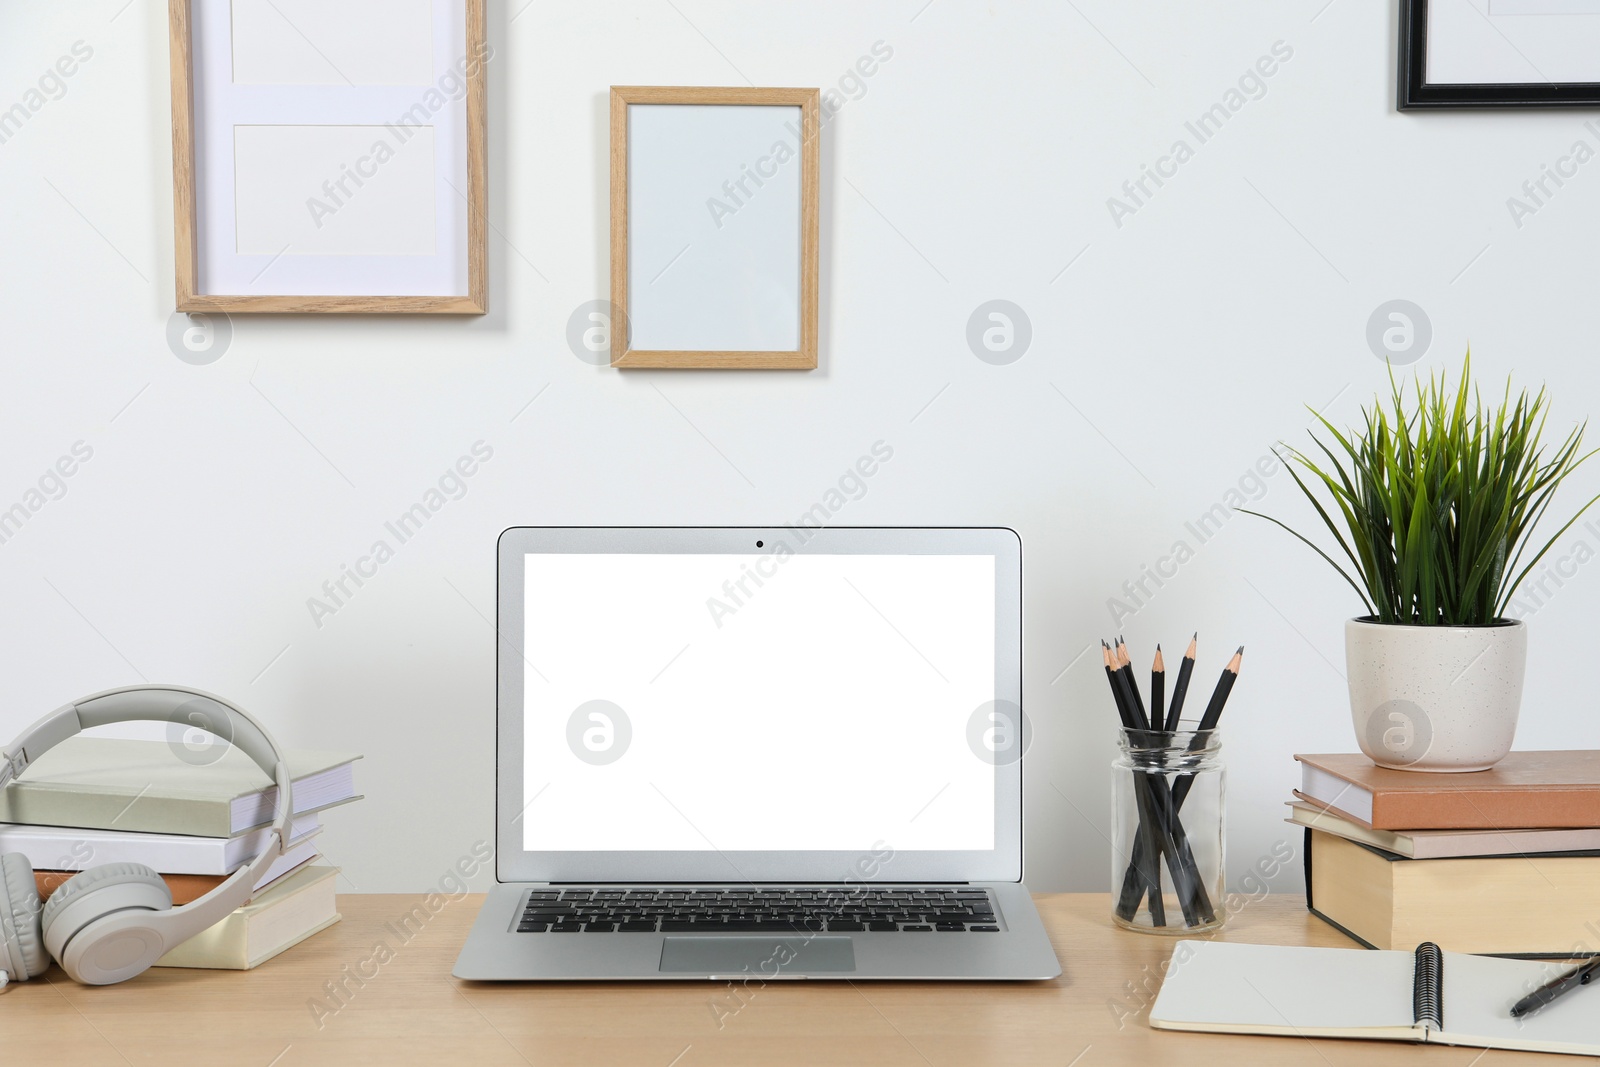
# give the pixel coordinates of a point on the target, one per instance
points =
(1417, 93)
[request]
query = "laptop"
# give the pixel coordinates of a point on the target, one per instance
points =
(774, 753)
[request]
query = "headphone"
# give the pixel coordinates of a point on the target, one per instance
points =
(112, 922)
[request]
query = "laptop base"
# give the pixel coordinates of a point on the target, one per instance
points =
(1019, 950)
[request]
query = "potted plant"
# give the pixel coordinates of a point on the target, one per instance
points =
(1434, 508)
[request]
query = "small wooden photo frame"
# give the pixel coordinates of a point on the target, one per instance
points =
(329, 157)
(714, 221)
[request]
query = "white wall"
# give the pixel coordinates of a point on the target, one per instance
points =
(1165, 360)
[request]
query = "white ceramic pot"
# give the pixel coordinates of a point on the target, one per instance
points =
(1435, 698)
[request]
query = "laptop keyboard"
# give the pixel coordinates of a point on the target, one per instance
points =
(842, 909)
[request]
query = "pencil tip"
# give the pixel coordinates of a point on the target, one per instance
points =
(1240, 652)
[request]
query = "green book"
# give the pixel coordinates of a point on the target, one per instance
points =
(104, 783)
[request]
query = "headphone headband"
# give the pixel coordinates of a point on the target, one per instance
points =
(191, 708)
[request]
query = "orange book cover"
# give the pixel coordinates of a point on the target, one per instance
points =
(184, 887)
(1526, 790)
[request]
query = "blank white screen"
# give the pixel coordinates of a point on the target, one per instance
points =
(826, 708)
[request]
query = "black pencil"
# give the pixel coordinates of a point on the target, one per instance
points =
(1219, 696)
(1158, 689)
(1130, 694)
(1141, 721)
(1208, 722)
(1116, 690)
(1181, 689)
(1145, 873)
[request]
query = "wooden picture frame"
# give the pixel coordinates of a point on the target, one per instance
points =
(468, 256)
(1417, 92)
(771, 218)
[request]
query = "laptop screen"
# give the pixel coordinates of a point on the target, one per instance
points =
(765, 701)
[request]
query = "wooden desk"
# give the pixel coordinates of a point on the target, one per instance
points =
(411, 1011)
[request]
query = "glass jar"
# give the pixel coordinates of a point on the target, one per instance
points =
(1167, 804)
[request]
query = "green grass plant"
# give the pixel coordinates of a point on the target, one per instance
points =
(1434, 504)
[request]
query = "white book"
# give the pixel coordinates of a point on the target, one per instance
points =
(1448, 844)
(1426, 996)
(63, 848)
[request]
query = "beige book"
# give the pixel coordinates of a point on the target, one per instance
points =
(1423, 996)
(1510, 905)
(279, 918)
(109, 783)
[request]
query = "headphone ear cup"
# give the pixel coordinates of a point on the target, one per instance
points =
(124, 947)
(19, 919)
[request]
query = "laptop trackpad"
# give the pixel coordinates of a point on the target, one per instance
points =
(773, 957)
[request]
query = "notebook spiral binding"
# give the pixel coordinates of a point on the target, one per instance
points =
(1427, 987)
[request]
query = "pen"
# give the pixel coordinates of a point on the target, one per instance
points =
(1551, 990)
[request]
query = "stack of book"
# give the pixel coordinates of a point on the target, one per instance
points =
(96, 800)
(1504, 861)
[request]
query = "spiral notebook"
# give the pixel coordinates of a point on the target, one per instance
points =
(1430, 996)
